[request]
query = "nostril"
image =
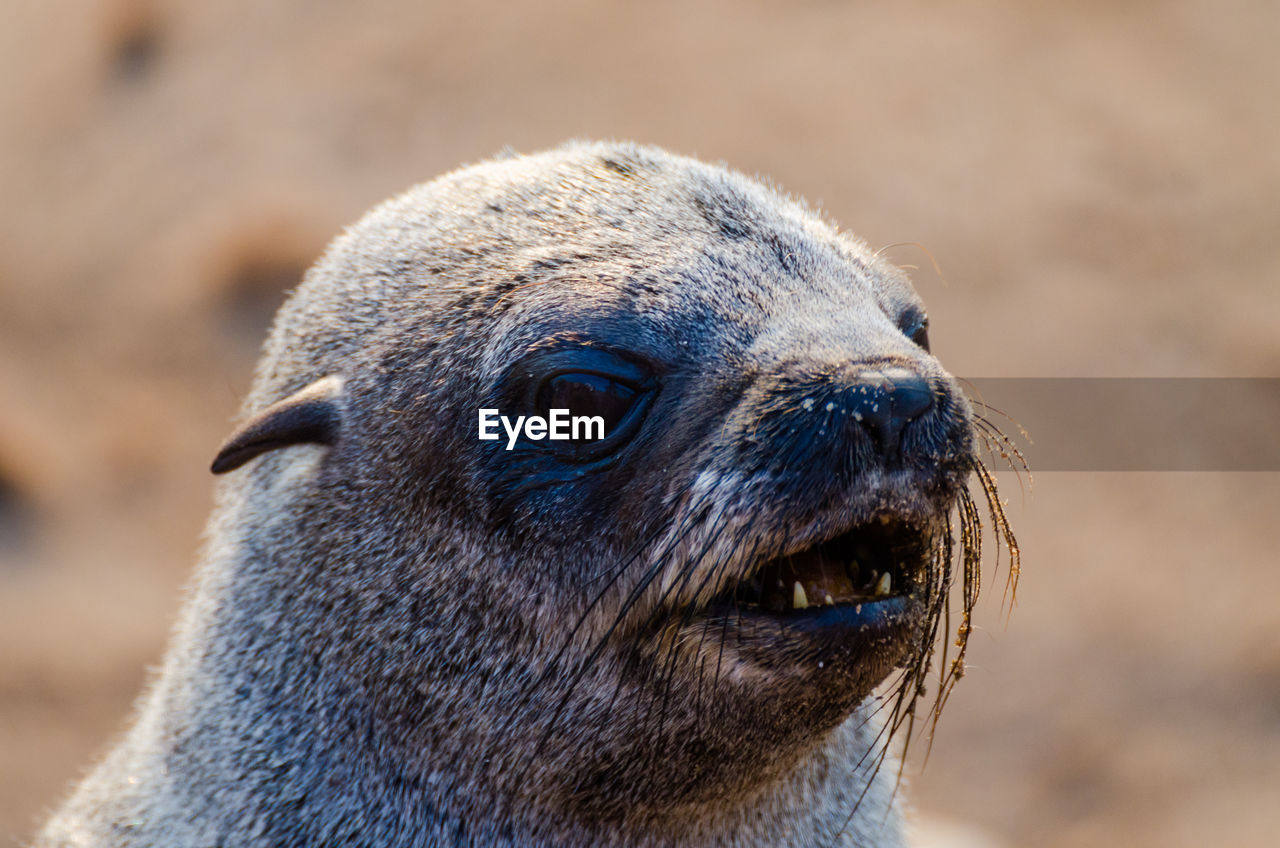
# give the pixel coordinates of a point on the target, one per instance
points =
(910, 394)
(884, 400)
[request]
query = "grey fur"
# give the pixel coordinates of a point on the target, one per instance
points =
(374, 651)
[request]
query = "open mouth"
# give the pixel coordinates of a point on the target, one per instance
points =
(883, 560)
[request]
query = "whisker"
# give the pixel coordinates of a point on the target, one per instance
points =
(967, 554)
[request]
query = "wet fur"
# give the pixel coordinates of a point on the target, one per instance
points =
(393, 639)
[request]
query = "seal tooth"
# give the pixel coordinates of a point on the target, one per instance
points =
(883, 585)
(828, 600)
(799, 600)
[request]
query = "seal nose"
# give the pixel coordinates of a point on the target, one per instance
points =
(884, 400)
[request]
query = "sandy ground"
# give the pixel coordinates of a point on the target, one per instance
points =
(1100, 183)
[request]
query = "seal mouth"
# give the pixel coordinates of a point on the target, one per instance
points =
(878, 561)
(860, 595)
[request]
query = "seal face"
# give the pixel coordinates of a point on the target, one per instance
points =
(673, 633)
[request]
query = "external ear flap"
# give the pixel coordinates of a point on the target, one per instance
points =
(309, 416)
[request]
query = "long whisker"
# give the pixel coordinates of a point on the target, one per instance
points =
(657, 565)
(938, 581)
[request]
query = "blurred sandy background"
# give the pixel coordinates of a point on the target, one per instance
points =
(1100, 182)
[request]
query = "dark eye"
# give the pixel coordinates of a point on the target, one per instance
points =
(606, 396)
(590, 395)
(918, 332)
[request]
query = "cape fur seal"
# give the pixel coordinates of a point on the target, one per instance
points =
(403, 634)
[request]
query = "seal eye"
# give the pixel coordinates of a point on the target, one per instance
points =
(607, 395)
(919, 333)
(591, 395)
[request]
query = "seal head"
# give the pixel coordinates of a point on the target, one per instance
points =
(674, 633)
